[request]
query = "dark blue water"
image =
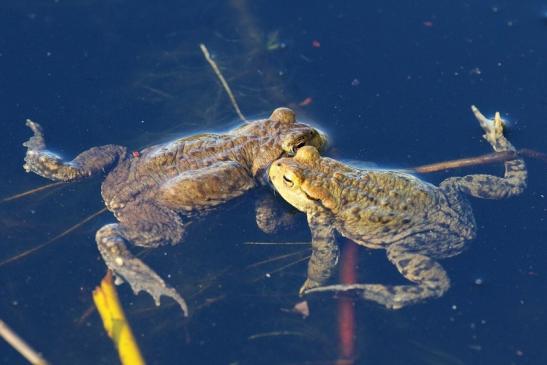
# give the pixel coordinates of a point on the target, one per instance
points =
(390, 81)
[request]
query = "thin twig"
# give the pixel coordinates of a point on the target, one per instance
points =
(526, 152)
(275, 334)
(20, 345)
(489, 158)
(32, 191)
(283, 267)
(276, 258)
(222, 81)
(59, 236)
(464, 162)
(255, 243)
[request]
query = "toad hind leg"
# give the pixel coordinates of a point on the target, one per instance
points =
(488, 186)
(430, 278)
(47, 164)
(145, 225)
(141, 277)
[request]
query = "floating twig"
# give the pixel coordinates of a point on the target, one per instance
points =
(277, 243)
(52, 240)
(276, 258)
(20, 345)
(222, 81)
(283, 268)
(32, 191)
(489, 158)
(275, 334)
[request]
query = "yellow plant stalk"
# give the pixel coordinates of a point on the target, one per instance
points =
(114, 321)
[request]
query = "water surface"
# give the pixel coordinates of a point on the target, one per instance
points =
(390, 81)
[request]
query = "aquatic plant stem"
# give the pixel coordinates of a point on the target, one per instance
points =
(52, 240)
(279, 269)
(222, 81)
(20, 345)
(489, 158)
(32, 191)
(276, 258)
(346, 308)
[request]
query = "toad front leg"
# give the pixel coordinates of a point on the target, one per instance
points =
(47, 164)
(147, 225)
(325, 252)
(271, 216)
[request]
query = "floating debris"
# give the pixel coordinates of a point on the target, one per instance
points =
(20, 345)
(306, 101)
(302, 308)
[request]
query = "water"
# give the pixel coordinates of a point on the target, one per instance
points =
(390, 81)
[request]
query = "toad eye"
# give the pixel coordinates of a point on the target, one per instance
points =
(288, 181)
(298, 145)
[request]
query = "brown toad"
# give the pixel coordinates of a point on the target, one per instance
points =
(414, 221)
(156, 192)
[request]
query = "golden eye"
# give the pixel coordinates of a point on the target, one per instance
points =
(288, 181)
(298, 145)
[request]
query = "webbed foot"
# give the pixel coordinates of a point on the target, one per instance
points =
(42, 162)
(132, 270)
(308, 286)
(493, 128)
(38, 159)
(36, 142)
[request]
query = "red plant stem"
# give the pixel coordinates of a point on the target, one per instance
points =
(346, 309)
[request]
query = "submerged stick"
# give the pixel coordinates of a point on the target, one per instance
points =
(489, 158)
(346, 310)
(32, 191)
(222, 81)
(20, 345)
(276, 258)
(257, 243)
(279, 269)
(59, 236)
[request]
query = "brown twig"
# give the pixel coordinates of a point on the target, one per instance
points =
(20, 345)
(258, 243)
(32, 191)
(478, 160)
(222, 81)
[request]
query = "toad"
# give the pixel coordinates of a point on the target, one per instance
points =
(414, 221)
(156, 193)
